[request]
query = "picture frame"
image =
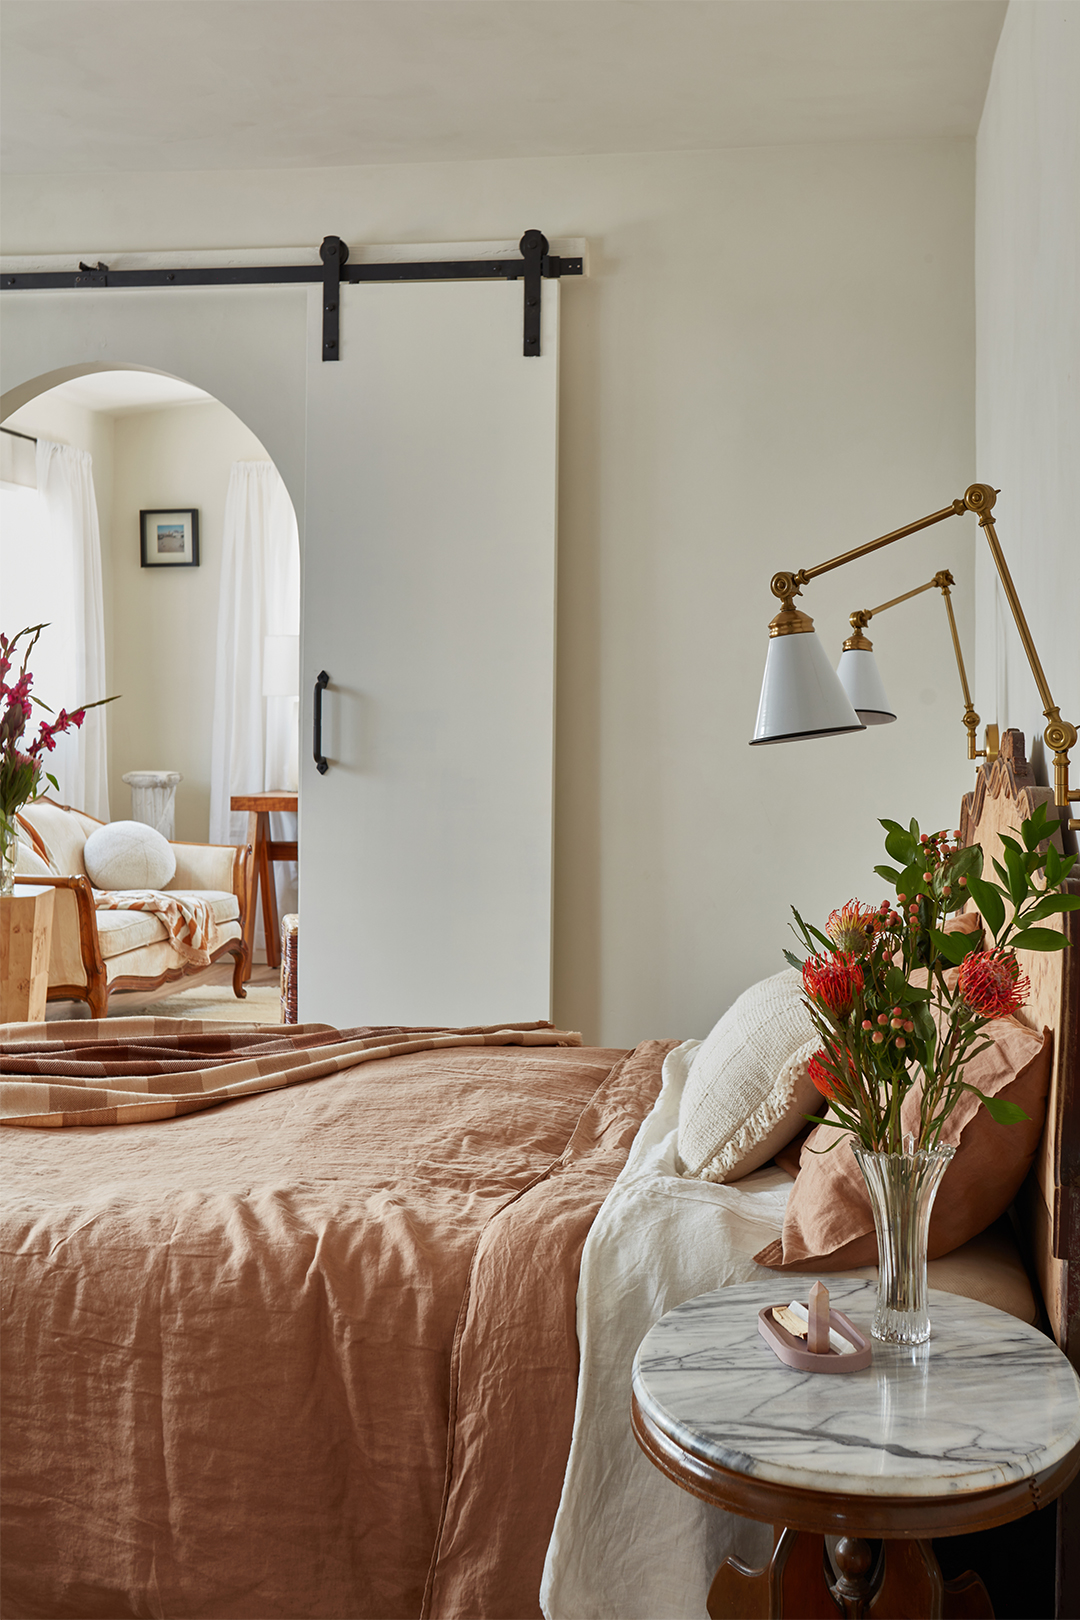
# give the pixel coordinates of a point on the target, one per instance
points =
(169, 537)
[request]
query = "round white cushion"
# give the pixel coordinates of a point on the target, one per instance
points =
(747, 1093)
(128, 855)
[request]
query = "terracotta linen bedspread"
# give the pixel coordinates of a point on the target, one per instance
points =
(308, 1353)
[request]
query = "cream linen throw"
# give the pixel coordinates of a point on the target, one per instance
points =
(193, 933)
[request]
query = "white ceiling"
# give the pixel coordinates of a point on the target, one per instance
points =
(93, 85)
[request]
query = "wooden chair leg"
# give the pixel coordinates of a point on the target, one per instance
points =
(240, 970)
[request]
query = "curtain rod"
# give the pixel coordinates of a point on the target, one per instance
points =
(29, 437)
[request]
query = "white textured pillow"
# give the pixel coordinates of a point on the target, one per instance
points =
(28, 863)
(128, 855)
(748, 1090)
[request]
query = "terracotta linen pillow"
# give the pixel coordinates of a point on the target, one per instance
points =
(747, 1092)
(828, 1224)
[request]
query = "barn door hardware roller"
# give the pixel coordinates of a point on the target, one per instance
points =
(535, 264)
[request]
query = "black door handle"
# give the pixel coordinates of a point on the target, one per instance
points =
(322, 681)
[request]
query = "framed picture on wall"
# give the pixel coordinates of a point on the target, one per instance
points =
(170, 539)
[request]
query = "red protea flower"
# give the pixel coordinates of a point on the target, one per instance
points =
(833, 981)
(852, 927)
(825, 1078)
(990, 983)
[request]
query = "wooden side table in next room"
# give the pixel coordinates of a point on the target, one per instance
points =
(259, 807)
(25, 937)
(979, 1426)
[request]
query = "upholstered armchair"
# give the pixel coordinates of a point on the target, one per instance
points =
(95, 951)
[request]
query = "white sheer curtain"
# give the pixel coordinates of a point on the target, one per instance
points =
(255, 738)
(73, 648)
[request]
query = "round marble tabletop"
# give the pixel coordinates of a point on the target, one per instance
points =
(987, 1401)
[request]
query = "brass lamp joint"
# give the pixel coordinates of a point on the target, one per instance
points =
(790, 621)
(786, 586)
(858, 641)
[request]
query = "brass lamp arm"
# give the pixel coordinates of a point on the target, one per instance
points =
(785, 586)
(1060, 735)
(943, 581)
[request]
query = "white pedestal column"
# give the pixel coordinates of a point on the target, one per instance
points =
(153, 798)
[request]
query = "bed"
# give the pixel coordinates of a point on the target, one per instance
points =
(308, 1343)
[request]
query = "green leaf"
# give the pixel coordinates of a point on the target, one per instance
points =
(964, 863)
(900, 845)
(1017, 881)
(951, 946)
(896, 984)
(1053, 867)
(999, 1108)
(795, 961)
(911, 881)
(1038, 939)
(989, 902)
(1051, 906)
(1039, 826)
(1010, 843)
(49, 777)
(925, 1028)
(889, 873)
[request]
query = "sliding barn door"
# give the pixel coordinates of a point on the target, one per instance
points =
(422, 465)
(429, 600)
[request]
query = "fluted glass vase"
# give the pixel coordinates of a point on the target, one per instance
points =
(902, 1188)
(9, 849)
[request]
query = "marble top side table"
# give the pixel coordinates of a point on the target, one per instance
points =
(977, 1427)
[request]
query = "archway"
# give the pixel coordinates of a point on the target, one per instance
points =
(162, 447)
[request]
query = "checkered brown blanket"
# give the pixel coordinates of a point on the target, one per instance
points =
(124, 1070)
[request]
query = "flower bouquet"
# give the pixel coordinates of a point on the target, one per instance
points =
(902, 1002)
(21, 764)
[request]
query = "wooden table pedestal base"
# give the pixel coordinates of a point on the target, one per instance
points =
(894, 1580)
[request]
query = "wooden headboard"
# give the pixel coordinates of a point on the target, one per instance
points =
(1049, 1202)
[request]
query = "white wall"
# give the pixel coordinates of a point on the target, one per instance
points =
(772, 361)
(166, 618)
(1028, 370)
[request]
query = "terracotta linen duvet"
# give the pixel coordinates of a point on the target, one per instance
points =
(310, 1352)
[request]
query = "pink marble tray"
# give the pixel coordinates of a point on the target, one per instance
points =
(793, 1351)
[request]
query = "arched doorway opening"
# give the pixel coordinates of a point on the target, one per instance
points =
(198, 601)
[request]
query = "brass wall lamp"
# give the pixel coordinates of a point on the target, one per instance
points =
(802, 696)
(858, 671)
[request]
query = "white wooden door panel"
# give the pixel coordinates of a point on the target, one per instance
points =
(423, 467)
(429, 597)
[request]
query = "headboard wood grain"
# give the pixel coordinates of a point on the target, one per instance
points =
(1049, 1203)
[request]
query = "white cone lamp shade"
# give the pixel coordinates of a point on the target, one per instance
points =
(800, 694)
(861, 681)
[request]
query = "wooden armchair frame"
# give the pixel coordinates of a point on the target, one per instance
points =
(95, 992)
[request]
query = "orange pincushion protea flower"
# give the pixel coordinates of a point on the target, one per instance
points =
(852, 927)
(823, 1077)
(833, 981)
(991, 985)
